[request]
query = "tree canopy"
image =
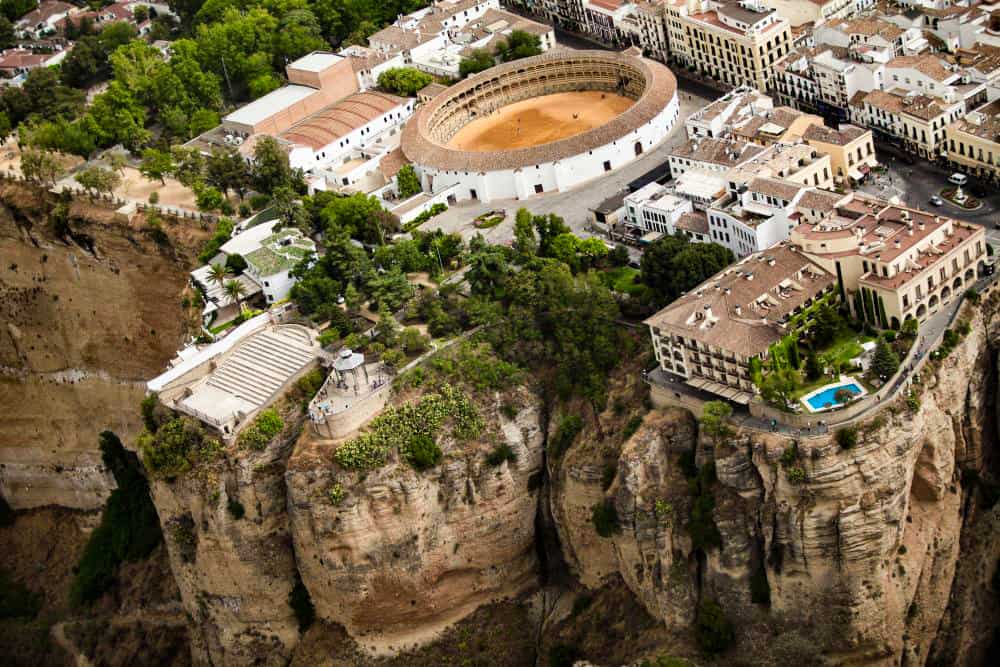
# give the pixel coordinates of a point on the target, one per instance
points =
(403, 80)
(673, 265)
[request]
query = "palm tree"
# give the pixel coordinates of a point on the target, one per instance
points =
(217, 274)
(236, 291)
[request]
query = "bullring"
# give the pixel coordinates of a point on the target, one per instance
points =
(648, 114)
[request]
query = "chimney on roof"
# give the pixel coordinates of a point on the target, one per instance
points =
(922, 225)
(739, 309)
(898, 244)
(749, 275)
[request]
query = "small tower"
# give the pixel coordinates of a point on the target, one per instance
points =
(346, 366)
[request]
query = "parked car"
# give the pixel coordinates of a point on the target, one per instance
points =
(958, 179)
(937, 201)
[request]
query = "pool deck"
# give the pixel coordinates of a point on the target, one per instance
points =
(843, 380)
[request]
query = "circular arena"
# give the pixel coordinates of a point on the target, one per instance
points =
(541, 124)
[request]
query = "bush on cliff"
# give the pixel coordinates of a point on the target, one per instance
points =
(714, 631)
(605, 518)
(267, 425)
(129, 528)
(176, 447)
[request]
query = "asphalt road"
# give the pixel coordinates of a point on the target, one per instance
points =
(916, 183)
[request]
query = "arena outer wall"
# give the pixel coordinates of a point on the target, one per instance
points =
(552, 167)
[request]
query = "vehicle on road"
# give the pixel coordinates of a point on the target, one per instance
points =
(937, 201)
(958, 179)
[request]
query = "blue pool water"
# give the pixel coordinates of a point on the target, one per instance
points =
(826, 397)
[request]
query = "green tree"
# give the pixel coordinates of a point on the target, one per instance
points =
(519, 44)
(826, 325)
(156, 165)
(714, 419)
(7, 36)
(673, 265)
(189, 165)
(525, 242)
(235, 290)
(407, 181)
(778, 386)
(814, 370)
(39, 165)
(548, 227)
(227, 170)
(352, 299)
(270, 166)
(116, 116)
(885, 363)
(361, 216)
(15, 9)
(390, 289)
(403, 80)
(387, 329)
(217, 273)
(714, 631)
(478, 61)
(98, 180)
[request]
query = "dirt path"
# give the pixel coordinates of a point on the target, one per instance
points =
(170, 614)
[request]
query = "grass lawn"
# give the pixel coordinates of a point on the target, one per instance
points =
(623, 279)
(845, 347)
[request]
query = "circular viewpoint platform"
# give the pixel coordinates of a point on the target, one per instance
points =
(542, 124)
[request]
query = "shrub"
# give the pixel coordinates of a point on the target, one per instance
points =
(790, 455)
(605, 518)
(256, 436)
(795, 475)
(713, 630)
(396, 428)
(501, 453)
(154, 197)
(563, 655)
(336, 494)
(17, 601)
(301, 604)
(913, 402)
(760, 590)
(184, 538)
(173, 449)
(509, 410)
(309, 384)
(662, 508)
(581, 603)
(847, 437)
(259, 201)
(422, 452)
(566, 432)
(608, 475)
(631, 427)
(236, 509)
(129, 529)
(972, 295)
(223, 231)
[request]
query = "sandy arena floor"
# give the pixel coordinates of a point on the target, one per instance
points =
(539, 120)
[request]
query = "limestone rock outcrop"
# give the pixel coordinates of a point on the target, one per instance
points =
(405, 553)
(862, 554)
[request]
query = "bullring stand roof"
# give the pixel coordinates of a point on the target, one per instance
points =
(341, 118)
(659, 89)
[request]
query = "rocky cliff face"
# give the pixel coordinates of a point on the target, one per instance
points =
(89, 310)
(860, 558)
(402, 556)
(405, 553)
(235, 573)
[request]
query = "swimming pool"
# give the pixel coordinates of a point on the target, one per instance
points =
(824, 398)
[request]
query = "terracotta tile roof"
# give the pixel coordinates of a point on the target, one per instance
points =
(845, 135)
(984, 122)
(659, 89)
(392, 162)
(925, 63)
(923, 107)
(340, 118)
(610, 5)
(775, 188)
(693, 221)
(741, 309)
(719, 151)
(17, 59)
(822, 201)
(45, 10)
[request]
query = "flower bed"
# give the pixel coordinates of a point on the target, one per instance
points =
(969, 203)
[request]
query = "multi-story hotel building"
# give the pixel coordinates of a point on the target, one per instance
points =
(733, 42)
(889, 262)
(902, 262)
(972, 145)
(917, 120)
(709, 336)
